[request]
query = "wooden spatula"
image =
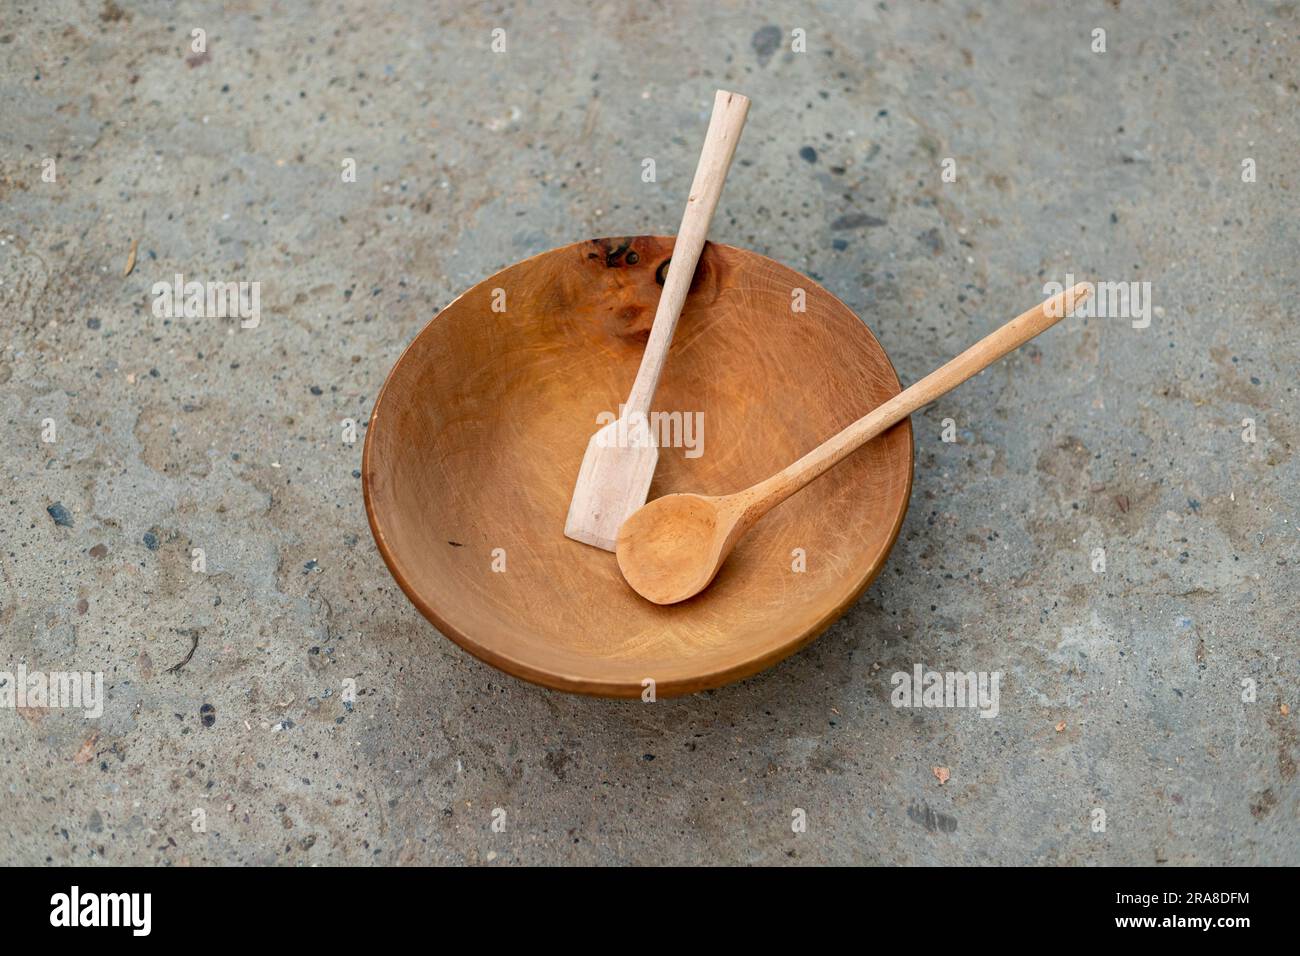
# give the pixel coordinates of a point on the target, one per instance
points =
(620, 462)
(672, 548)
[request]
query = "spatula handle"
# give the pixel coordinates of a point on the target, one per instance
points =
(729, 111)
(771, 492)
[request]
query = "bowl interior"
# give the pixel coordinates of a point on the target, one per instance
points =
(476, 439)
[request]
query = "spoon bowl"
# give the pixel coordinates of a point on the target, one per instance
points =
(671, 549)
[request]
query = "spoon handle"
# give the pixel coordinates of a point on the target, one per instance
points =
(772, 491)
(729, 112)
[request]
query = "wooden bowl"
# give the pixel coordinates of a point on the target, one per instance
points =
(477, 435)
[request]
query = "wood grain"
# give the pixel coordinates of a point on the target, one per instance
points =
(479, 429)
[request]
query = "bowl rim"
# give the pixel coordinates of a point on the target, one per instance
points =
(554, 679)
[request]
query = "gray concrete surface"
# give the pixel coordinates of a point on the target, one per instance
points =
(1122, 691)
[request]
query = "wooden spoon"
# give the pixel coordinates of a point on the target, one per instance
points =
(620, 461)
(672, 548)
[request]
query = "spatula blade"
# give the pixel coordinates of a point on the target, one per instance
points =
(613, 482)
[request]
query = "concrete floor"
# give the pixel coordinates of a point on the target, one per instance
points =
(1122, 691)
